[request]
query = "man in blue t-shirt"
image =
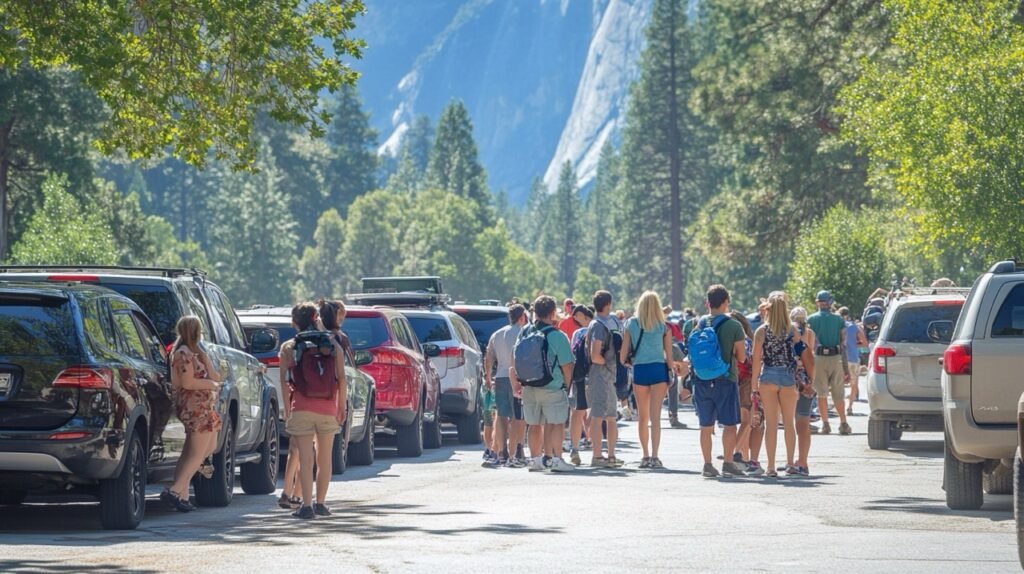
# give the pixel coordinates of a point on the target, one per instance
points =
(546, 409)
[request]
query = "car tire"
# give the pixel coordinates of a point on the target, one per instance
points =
(895, 433)
(220, 489)
(998, 481)
(362, 453)
(879, 434)
(962, 481)
(432, 431)
(469, 427)
(123, 498)
(339, 451)
(261, 477)
(410, 437)
(12, 497)
(1018, 504)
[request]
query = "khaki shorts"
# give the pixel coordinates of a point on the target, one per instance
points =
(746, 387)
(305, 423)
(828, 378)
(545, 406)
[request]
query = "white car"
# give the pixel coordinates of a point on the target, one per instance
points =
(460, 366)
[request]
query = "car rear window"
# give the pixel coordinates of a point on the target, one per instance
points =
(910, 324)
(430, 329)
(365, 332)
(1009, 321)
(40, 327)
(484, 324)
(159, 304)
(285, 333)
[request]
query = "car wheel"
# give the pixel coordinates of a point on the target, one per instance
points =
(410, 437)
(432, 430)
(218, 490)
(998, 481)
(123, 498)
(261, 477)
(12, 497)
(879, 434)
(361, 453)
(963, 482)
(1018, 504)
(469, 427)
(895, 433)
(339, 451)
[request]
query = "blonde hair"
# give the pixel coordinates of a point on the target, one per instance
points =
(799, 315)
(648, 311)
(778, 314)
(189, 331)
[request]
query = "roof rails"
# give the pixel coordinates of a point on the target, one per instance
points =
(162, 271)
(431, 300)
(924, 291)
(1008, 266)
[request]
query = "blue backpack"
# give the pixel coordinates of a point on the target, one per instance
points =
(530, 356)
(705, 352)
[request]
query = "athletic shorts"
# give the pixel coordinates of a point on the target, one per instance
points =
(545, 406)
(489, 407)
(503, 398)
(716, 401)
(647, 374)
(602, 398)
(579, 391)
(306, 423)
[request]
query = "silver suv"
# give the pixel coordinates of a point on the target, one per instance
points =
(903, 382)
(982, 381)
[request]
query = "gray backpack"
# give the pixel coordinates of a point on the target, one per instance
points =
(530, 357)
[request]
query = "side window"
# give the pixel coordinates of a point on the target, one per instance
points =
(149, 336)
(98, 326)
(134, 345)
(1009, 321)
(196, 306)
(231, 320)
(410, 335)
(400, 333)
(217, 316)
(466, 332)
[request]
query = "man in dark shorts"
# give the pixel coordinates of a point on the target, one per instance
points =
(578, 393)
(498, 360)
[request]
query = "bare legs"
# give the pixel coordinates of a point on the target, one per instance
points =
(776, 399)
(595, 435)
(198, 446)
(648, 404)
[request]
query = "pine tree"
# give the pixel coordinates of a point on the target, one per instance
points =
(351, 169)
(453, 165)
(321, 269)
(561, 233)
(535, 216)
(598, 212)
(413, 158)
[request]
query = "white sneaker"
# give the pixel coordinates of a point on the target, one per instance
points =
(559, 465)
(536, 465)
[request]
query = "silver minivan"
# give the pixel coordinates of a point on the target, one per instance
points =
(904, 375)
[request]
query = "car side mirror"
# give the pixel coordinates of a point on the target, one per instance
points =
(264, 341)
(363, 358)
(431, 350)
(940, 331)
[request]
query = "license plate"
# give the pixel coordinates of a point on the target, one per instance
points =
(5, 382)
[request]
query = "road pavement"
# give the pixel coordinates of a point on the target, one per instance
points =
(860, 511)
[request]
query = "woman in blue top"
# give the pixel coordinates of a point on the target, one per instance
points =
(647, 346)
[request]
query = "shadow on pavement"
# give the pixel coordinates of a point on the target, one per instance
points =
(918, 448)
(58, 566)
(998, 508)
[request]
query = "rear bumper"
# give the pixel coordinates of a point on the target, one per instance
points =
(456, 402)
(973, 443)
(397, 417)
(914, 422)
(70, 462)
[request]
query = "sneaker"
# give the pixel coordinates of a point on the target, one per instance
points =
(656, 463)
(738, 459)
(710, 471)
(559, 465)
(566, 445)
(321, 509)
(673, 421)
(754, 469)
(731, 469)
(305, 513)
(825, 428)
(814, 429)
(547, 460)
(503, 461)
(574, 456)
(537, 465)
(176, 502)
(284, 502)
(600, 462)
(645, 462)
(490, 460)
(515, 463)
(792, 471)
(803, 471)
(487, 454)
(844, 429)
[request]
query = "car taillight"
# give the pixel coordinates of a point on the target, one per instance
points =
(957, 359)
(271, 361)
(454, 356)
(949, 303)
(69, 435)
(878, 356)
(85, 378)
(387, 356)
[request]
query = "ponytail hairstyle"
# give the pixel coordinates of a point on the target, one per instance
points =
(328, 314)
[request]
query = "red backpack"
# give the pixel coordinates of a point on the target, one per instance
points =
(313, 373)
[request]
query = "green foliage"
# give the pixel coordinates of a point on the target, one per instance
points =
(587, 283)
(64, 231)
(373, 242)
(352, 166)
(598, 215)
(943, 123)
(189, 74)
(561, 235)
(413, 158)
(453, 165)
(321, 269)
(168, 251)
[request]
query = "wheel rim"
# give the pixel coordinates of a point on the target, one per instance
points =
(229, 460)
(273, 448)
(138, 484)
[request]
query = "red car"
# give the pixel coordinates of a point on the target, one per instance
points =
(408, 386)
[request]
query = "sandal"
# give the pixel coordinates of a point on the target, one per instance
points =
(614, 462)
(792, 470)
(176, 501)
(645, 462)
(600, 462)
(771, 474)
(285, 501)
(656, 463)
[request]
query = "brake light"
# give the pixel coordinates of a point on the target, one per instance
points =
(74, 277)
(957, 359)
(878, 356)
(68, 435)
(271, 361)
(950, 302)
(85, 378)
(389, 356)
(454, 356)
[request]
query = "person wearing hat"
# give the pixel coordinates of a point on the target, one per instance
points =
(832, 369)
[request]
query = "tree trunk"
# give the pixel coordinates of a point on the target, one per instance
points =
(675, 160)
(5, 171)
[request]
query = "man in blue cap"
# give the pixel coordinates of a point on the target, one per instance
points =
(831, 369)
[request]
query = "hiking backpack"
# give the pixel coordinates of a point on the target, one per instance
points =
(705, 353)
(581, 352)
(530, 357)
(313, 372)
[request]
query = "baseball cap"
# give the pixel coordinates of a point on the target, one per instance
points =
(824, 296)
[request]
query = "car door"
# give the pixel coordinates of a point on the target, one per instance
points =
(359, 388)
(152, 377)
(235, 364)
(998, 358)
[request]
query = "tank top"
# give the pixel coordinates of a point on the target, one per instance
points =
(778, 352)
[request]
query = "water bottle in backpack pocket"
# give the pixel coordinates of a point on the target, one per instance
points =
(705, 353)
(314, 372)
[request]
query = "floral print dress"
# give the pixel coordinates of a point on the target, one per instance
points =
(196, 409)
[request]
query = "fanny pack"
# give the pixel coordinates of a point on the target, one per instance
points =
(826, 351)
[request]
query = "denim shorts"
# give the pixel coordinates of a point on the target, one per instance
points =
(780, 376)
(717, 401)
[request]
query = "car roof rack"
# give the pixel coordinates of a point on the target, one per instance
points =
(1008, 266)
(126, 269)
(926, 291)
(430, 301)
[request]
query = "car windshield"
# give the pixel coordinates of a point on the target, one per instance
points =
(484, 324)
(910, 324)
(159, 304)
(365, 332)
(36, 327)
(430, 329)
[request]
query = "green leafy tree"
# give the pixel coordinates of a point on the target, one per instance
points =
(189, 75)
(351, 169)
(943, 123)
(64, 231)
(454, 166)
(414, 156)
(321, 269)
(535, 216)
(169, 251)
(561, 235)
(373, 238)
(598, 214)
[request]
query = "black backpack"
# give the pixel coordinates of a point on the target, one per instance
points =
(581, 352)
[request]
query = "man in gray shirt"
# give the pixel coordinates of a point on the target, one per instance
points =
(601, 379)
(499, 360)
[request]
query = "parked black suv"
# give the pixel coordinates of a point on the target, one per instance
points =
(247, 403)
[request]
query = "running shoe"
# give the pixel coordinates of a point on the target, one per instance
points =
(844, 429)
(490, 460)
(826, 428)
(803, 470)
(710, 471)
(645, 462)
(738, 459)
(754, 469)
(656, 463)
(792, 471)
(487, 454)
(305, 513)
(321, 509)
(559, 465)
(515, 463)
(537, 465)
(731, 469)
